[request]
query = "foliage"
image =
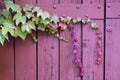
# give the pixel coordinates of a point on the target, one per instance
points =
(19, 22)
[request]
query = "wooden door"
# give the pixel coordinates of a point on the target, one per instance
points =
(52, 59)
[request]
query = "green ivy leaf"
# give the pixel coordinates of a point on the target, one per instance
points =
(29, 14)
(54, 19)
(14, 7)
(94, 25)
(46, 22)
(35, 9)
(36, 20)
(6, 13)
(2, 19)
(86, 20)
(75, 21)
(41, 27)
(45, 15)
(69, 19)
(28, 27)
(9, 26)
(27, 8)
(78, 19)
(19, 33)
(19, 18)
(2, 38)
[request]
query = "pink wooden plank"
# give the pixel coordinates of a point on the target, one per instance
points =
(7, 61)
(24, 2)
(25, 52)
(69, 1)
(68, 69)
(47, 57)
(99, 2)
(112, 49)
(73, 11)
(113, 10)
(92, 71)
(46, 1)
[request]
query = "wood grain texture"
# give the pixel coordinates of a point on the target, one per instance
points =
(93, 2)
(47, 1)
(47, 57)
(69, 1)
(25, 59)
(92, 71)
(113, 50)
(7, 61)
(24, 2)
(113, 10)
(68, 69)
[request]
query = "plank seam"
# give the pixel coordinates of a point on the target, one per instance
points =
(104, 40)
(37, 56)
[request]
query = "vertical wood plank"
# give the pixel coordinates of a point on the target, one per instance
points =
(24, 2)
(25, 52)
(70, 1)
(68, 69)
(7, 61)
(47, 57)
(47, 1)
(93, 1)
(92, 71)
(112, 49)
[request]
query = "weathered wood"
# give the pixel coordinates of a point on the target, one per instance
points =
(92, 71)
(25, 59)
(69, 1)
(73, 11)
(68, 69)
(93, 2)
(48, 57)
(24, 2)
(113, 10)
(7, 61)
(46, 1)
(112, 49)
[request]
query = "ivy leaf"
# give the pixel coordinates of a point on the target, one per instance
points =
(63, 27)
(46, 22)
(19, 18)
(39, 12)
(2, 19)
(28, 27)
(6, 13)
(35, 9)
(45, 15)
(29, 14)
(94, 25)
(41, 27)
(78, 19)
(2, 38)
(27, 7)
(69, 19)
(14, 7)
(54, 19)
(9, 24)
(19, 33)
(86, 20)
(74, 20)
(36, 20)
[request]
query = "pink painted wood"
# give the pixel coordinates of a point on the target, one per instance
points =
(68, 69)
(25, 59)
(48, 57)
(46, 1)
(7, 61)
(25, 53)
(113, 10)
(112, 49)
(69, 1)
(73, 11)
(92, 71)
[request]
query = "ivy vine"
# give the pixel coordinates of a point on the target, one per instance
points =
(21, 21)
